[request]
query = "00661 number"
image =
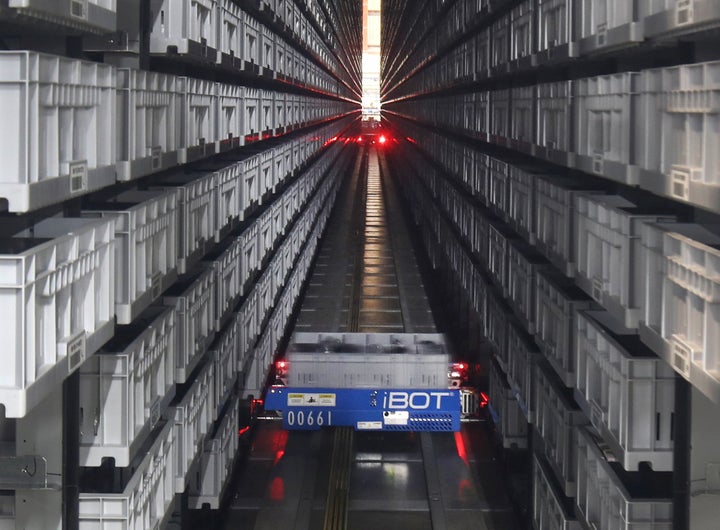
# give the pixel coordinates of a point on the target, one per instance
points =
(310, 418)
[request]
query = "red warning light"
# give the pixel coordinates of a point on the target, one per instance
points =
(256, 406)
(484, 400)
(359, 139)
(244, 430)
(382, 139)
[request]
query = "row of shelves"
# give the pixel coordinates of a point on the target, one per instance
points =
(219, 31)
(653, 274)
(652, 128)
(58, 146)
(606, 499)
(200, 435)
(67, 280)
(164, 346)
(630, 388)
(535, 33)
(529, 309)
(191, 212)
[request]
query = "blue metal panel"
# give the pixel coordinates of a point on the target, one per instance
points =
(367, 409)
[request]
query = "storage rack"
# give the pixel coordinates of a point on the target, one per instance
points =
(169, 167)
(559, 172)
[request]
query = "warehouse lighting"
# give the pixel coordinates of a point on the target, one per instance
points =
(371, 60)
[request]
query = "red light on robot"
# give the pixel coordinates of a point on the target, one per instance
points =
(459, 369)
(243, 430)
(484, 400)
(359, 139)
(382, 139)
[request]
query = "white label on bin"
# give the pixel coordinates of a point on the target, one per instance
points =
(680, 177)
(75, 352)
(79, 8)
(684, 12)
(311, 400)
(78, 176)
(681, 356)
(369, 425)
(396, 417)
(601, 34)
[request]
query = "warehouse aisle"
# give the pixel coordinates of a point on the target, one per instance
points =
(412, 481)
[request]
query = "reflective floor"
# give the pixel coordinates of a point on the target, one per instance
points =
(397, 481)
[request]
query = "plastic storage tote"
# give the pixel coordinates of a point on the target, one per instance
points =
(553, 140)
(193, 297)
(551, 509)
(607, 118)
(606, 24)
(126, 387)
(500, 45)
(522, 354)
(556, 31)
(197, 198)
(186, 27)
(367, 360)
(557, 301)
(146, 234)
(248, 322)
(208, 485)
(149, 118)
(228, 207)
(497, 318)
(556, 416)
(57, 300)
(199, 112)
(497, 186)
(224, 354)
(609, 498)
(678, 17)
(500, 117)
(510, 422)
(97, 16)
(680, 307)
(267, 52)
(608, 229)
(555, 219)
(675, 139)
(523, 38)
(626, 390)
(147, 498)
(55, 144)
(230, 34)
(251, 113)
(226, 263)
(524, 262)
(192, 418)
(231, 129)
(251, 45)
(521, 201)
